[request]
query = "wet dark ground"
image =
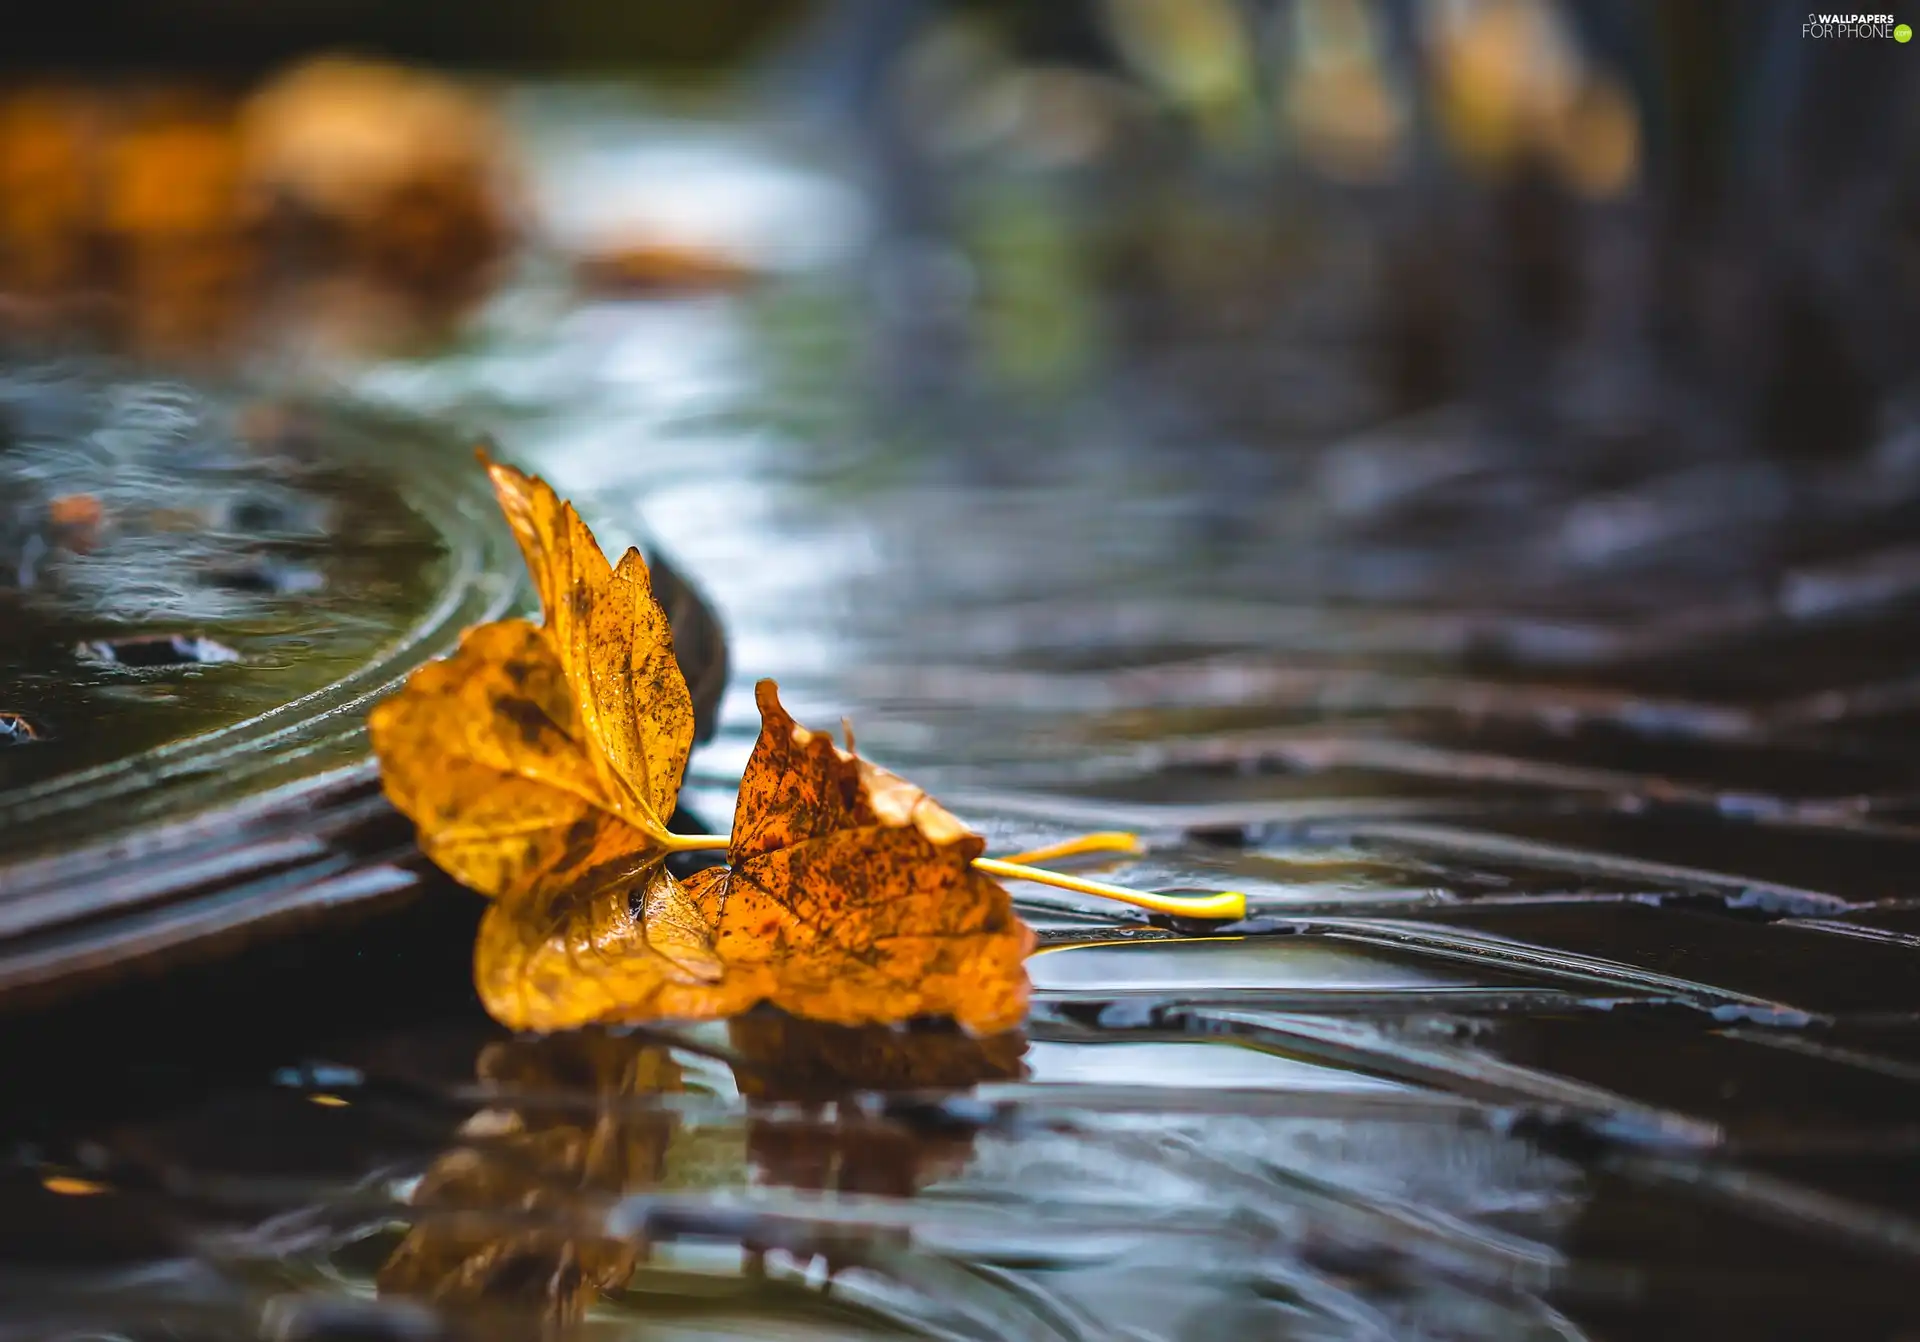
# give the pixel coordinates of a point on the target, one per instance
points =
(1566, 757)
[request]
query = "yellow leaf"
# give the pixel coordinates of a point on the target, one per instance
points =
(660, 266)
(562, 960)
(486, 753)
(615, 648)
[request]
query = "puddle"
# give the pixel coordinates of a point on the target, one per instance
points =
(228, 572)
(181, 501)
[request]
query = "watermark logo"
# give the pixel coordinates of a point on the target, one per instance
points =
(1878, 27)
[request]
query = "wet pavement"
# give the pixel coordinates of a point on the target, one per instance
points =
(1567, 764)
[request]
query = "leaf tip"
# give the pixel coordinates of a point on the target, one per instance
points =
(773, 714)
(633, 568)
(508, 483)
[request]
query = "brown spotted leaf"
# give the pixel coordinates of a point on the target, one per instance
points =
(851, 898)
(851, 895)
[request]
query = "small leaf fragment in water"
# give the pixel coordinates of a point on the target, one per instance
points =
(851, 897)
(660, 267)
(67, 1185)
(17, 729)
(76, 520)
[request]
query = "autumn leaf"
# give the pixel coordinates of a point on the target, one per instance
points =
(539, 753)
(851, 895)
(486, 753)
(615, 649)
(563, 959)
(540, 765)
(661, 267)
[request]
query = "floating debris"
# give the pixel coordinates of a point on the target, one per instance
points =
(16, 729)
(158, 650)
(268, 579)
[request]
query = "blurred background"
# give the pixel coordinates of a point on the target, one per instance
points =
(1634, 204)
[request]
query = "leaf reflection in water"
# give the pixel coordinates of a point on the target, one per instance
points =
(499, 1219)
